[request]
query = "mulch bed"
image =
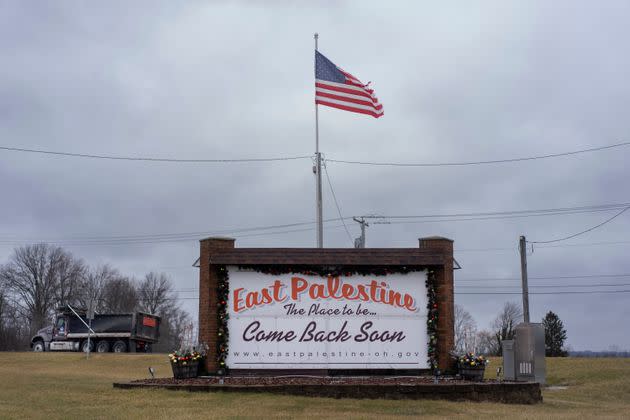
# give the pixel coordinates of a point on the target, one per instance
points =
(305, 380)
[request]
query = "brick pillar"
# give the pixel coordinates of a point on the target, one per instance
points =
(445, 299)
(208, 297)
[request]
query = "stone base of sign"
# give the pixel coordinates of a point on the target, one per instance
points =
(403, 388)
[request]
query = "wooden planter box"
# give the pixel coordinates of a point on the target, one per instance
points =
(189, 370)
(472, 373)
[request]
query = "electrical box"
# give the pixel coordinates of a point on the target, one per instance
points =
(529, 352)
(509, 368)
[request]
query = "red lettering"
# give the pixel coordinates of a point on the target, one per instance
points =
(251, 299)
(333, 286)
(237, 300)
(298, 285)
(277, 290)
(363, 293)
(316, 291)
(347, 290)
(373, 290)
(266, 296)
(410, 303)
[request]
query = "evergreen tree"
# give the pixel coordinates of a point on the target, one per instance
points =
(555, 334)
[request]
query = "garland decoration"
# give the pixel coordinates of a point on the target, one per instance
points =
(325, 271)
(334, 271)
(432, 320)
(223, 291)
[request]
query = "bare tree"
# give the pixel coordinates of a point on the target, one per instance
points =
(465, 331)
(180, 324)
(119, 295)
(155, 294)
(40, 277)
(486, 343)
(504, 323)
(13, 330)
(93, 286)
(5, 334)
(70, 274)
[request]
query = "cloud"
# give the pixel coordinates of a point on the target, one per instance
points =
(215, 80)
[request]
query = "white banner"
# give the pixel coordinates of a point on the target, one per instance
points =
(297, 321)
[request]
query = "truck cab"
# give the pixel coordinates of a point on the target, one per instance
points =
(60, 329)
(41, 340)
(55, 336)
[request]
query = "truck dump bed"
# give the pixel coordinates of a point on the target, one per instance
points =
(136, 325)
(147, 327)
(103, 323)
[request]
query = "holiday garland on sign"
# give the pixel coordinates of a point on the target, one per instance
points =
(432, 319)
(223, 290)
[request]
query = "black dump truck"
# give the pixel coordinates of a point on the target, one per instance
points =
(120, 333)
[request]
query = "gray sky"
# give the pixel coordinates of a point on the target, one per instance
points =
(459, 82)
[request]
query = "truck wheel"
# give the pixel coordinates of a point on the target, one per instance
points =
(148, 348)
(39, 346)
(119, 347)
(102, 346)
(84, 346)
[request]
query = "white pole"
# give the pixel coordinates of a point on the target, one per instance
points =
(318, 175)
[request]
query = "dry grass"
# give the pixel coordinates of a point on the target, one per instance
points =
(65, 385)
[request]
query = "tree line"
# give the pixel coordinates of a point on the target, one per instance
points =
(468, 338)
(37, 279)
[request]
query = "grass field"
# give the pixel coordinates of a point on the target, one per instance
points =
(65, 385)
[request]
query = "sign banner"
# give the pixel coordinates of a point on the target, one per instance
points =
(298, 321)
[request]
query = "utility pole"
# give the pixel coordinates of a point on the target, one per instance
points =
(360, 241)
(522, 246)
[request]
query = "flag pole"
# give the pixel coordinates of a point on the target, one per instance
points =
(318, 174)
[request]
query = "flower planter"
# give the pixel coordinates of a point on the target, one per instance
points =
(183, 371)
(472, 373)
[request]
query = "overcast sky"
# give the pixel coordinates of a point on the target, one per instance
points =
(458, 81)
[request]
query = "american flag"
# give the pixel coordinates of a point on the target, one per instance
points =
(339, 89)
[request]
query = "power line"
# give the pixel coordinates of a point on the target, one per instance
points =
(543, 286)
(158, 241)
(586, 244)
(188, 236)
(543, 247)
(164, 237)
(482, 162)
(282, 232)
(586, 276)
(514, 216)
(599, 207)
(334, 196)
(152, 159)
(569, 292)
(285, 158)
(584, 231)
(485, 249)
(547, 286)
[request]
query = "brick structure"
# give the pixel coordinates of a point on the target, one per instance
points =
(208, 296)
(445, 299)
(434, 252)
